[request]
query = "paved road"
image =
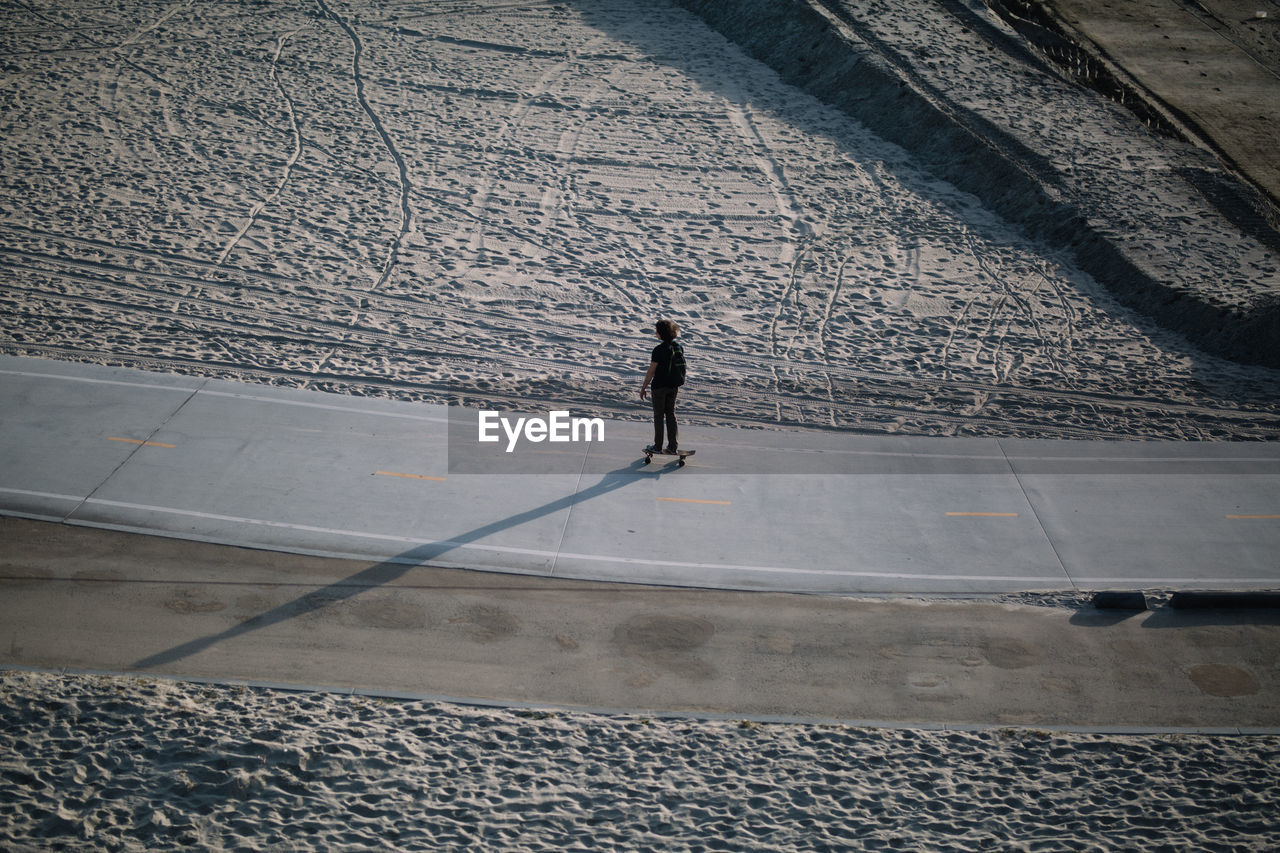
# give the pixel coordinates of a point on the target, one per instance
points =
(85, 599)
(88, 448)
(320, 474)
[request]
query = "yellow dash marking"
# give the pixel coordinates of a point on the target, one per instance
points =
(409, 476)
(142, 443)
(1252, 516)
(694, 501)
(982, 514)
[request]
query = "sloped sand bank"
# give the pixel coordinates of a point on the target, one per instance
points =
(960, 92)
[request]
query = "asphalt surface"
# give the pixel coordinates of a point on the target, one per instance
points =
(92, 600)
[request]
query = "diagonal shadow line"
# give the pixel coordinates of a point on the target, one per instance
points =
(391, 569)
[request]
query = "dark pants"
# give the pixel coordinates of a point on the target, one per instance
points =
(664, 411)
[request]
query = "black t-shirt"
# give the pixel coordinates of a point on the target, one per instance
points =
(665, 358)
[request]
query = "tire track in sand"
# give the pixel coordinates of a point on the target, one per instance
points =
(294, 156)
(402, 170)
(784, 197)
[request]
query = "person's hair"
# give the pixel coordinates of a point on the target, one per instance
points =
(667, 329)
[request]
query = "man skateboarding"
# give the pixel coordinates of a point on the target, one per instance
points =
(666, 375)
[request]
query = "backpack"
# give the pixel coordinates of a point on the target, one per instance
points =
(674, 370)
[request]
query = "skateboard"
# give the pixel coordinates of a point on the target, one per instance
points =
(683, 454)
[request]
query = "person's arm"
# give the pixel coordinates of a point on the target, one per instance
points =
(648, 377)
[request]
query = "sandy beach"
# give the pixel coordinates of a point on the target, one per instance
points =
(489, 204)
(121, 764)
(911, 222)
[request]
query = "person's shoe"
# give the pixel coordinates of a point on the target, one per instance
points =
(653, 448)
(671, 448)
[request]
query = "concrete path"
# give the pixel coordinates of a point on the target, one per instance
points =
(320, 474)
(95, 600)
(374, 486)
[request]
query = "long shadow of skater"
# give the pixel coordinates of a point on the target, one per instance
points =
(392, 568)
